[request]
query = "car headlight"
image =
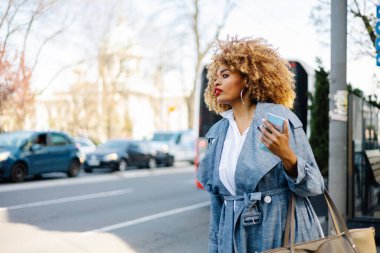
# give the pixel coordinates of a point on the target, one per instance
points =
(82, 157)
(4, 156)
(110, 157)
(165, 148)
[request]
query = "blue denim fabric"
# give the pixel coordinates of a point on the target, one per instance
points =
(260, 173)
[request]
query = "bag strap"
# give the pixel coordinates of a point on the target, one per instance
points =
(337, 220)
(289, 218)
(334, 219)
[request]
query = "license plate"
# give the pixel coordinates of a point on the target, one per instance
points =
(93, 162)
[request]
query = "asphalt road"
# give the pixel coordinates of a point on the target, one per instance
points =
(157, 210)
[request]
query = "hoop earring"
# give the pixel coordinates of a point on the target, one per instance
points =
(241, 96)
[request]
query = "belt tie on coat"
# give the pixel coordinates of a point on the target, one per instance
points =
(233, 210)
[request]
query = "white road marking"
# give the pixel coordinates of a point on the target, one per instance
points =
(95, 178)
(147, 218)
(190, 181)
(156, 172)
(69, 199)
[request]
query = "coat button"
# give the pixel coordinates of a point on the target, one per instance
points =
(267, 199)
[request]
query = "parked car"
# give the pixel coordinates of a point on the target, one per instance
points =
(25, 153)
(85, 145)
(180, 144)
(120, 155)
(161, 153)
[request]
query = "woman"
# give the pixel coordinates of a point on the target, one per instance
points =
(249, 186)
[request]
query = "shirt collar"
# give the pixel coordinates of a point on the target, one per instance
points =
(228, 114)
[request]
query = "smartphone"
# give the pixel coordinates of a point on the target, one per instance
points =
(277, 122)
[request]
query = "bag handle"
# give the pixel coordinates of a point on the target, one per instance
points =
(290, 217)
(337, 219)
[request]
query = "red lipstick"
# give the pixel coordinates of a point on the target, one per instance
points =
(217, 91)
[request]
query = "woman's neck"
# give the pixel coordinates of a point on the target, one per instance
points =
(243, 116)
(244, 112)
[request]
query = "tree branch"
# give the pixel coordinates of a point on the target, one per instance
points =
(195, 26)
(366, 22)
(6, 13)
(227, 11)
(58, 73)
(55, 34)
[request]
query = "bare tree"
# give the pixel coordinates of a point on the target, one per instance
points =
(17, 19)
(112, 48)
(368, 19)
(195, 28)
(361, 23)
(202, 51)
(108, 64)
(83, 108)
(112, 71)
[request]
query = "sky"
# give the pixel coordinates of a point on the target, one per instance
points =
(285, 24)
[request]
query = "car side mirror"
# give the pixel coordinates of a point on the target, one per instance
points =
(35, 147)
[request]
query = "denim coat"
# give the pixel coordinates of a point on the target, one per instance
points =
(254, 219)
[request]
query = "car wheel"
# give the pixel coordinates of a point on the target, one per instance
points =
(152, 163)
(122, 165)
(74, 169)
(170, 162)
(18, 172)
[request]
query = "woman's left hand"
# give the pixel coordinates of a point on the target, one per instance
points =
(278, 144)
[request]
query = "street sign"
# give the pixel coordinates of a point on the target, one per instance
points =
(378, 11)
(378, 60)
(378, 27)
(377, 43)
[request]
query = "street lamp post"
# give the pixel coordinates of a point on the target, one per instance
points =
(338, 106)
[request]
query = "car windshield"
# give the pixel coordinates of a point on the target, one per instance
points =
(16, 139)
(84, 143)
(113, 145)
(162, 137)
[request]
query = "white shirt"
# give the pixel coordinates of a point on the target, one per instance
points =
(231, 150)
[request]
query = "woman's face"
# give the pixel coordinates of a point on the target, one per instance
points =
(228, 86)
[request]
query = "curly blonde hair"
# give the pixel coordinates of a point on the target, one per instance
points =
(269, 76)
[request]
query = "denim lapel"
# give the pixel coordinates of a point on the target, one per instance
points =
(253, 162)
(217, 136)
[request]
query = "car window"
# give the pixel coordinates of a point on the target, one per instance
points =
(83, 144)
(165, 137)
(134, 147)
(41, 139)
(14, 139)
(116, 144)
(144, 147)
(58, 140)
(187, 138)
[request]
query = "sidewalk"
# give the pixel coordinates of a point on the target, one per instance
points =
(19, 238)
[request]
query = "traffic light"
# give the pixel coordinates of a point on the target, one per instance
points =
(171, 108)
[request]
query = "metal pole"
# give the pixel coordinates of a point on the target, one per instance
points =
(338, 106)
(350, 160)
(370, 123)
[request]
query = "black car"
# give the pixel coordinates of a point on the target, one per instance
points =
(160, 151)
(120, 155)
